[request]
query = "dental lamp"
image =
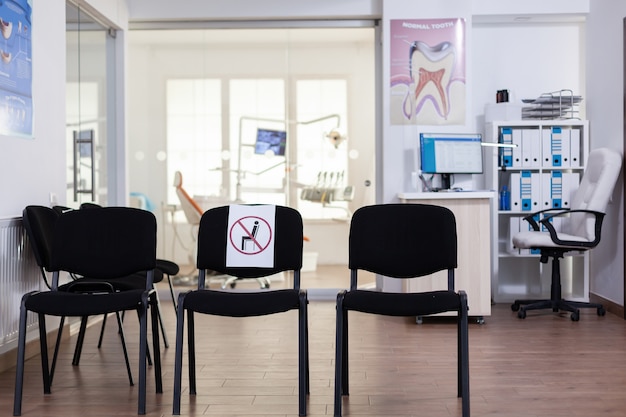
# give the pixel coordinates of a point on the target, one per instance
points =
(334, 136)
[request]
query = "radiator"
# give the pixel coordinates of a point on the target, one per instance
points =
(19, 274)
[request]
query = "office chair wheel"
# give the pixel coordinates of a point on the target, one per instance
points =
(515, 306)
(601, 311)
(575, 315)
(521, 313)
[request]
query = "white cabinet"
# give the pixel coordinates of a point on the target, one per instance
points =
(541, 172)
(472, 211)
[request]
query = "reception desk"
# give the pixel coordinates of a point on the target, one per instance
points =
(472, 210)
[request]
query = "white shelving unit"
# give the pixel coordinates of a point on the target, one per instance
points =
(520, 275)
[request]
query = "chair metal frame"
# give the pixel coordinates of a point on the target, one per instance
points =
(212, 241)
(402, 241)
(104, 244)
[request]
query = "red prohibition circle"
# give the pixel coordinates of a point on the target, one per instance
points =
(248, 233)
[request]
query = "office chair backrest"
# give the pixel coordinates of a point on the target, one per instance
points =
(403, 240)
(39, 223)
(595, 189)
(193, 212)
(106, 243)
(213, 237)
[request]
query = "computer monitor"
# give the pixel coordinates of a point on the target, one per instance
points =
(451, 153)
(270, 140)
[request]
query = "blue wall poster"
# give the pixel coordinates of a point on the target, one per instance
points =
(16, 98)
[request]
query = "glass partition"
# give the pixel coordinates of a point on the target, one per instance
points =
(87, 88)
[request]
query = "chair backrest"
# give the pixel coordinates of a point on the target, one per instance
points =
(39, 223)
(213, 238)
(594, 192)
(107, 243)
(403, 240)
(193, 212)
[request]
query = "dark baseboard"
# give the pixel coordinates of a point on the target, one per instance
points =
(610, 306)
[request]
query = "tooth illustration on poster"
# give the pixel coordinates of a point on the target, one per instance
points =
(427, 74)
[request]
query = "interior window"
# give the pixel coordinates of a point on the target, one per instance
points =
(268, 158)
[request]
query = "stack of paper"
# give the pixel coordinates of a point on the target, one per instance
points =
(562, 104)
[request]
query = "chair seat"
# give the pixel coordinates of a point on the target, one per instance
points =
(242, 304)
(60, 303)
(401, 304)
(131, 282)
(532, 239)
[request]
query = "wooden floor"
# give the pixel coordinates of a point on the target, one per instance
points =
(545, 365)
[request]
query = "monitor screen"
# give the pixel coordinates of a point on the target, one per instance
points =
(451, 153)
(270, 140)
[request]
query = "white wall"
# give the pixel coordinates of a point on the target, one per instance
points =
(605, 111)
(31, 169)
(23, 161)
(189, 10)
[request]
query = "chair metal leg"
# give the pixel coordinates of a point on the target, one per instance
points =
(303, 363)
(79, 343)
(143, 347)
(339, 354)
(43, 342)
(156, 346)
(57, 345)
(178, 358)
(104, 323)
(191, 348)
(123, 340)
(161, 323)
(169, 281)
(464, 381)
(345, 390)
(21, 354)
(148, 355)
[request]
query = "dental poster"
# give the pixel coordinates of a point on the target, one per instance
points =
(427, 74)
(16, 99)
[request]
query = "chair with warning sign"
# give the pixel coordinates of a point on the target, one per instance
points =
(229, 243)
(402, 241)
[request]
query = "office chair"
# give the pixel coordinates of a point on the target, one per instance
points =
(402, 241)
(581, 228)
(104, 244)
(213, 239)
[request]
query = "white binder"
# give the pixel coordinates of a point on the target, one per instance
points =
(535, 191)
(506, 137)
(519, 152)
(516, 194)
(514, 223)
(574, 148)
(571, 181)
(565, 147)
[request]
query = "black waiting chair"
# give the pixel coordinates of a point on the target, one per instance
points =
(213, 238)
(164, 268)
(105, 245)
(402, 241)
(39, 222)
(580, 230)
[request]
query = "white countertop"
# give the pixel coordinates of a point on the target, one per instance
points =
(447, 195)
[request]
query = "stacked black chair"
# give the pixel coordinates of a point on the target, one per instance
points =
(105, 245)
(402, 241)
(213, 238)
(164, 268)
